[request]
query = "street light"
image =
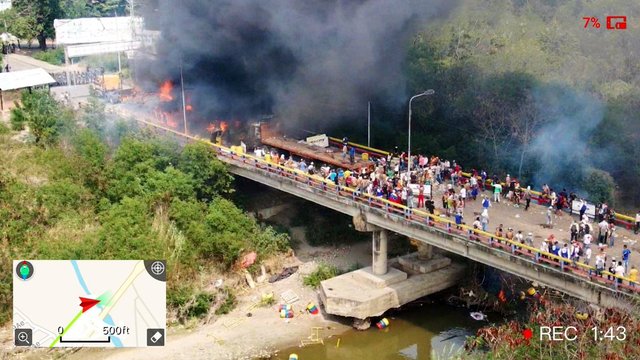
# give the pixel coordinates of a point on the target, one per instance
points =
(426, 93)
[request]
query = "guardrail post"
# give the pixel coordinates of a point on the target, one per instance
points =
(491, 241)
(537, 257)
(562, 265)
(615, 282)
(513, 249)
(386, 206)
(448, 227)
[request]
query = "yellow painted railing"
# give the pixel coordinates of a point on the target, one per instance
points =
(409, 213)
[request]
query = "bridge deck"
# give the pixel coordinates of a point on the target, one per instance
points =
(413, 222)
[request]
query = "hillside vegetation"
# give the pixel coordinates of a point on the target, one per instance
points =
(523, 88)
(85, 192)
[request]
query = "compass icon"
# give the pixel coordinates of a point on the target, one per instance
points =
(24, 270)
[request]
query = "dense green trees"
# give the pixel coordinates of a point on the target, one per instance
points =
(523, 88)
(38, 15)
(45, 117)
(143, 198)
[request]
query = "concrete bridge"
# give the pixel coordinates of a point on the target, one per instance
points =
(380, 216)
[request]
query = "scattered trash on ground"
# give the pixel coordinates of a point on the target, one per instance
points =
(289, 297)
(382, 324)
(478, 316)
(286, 272)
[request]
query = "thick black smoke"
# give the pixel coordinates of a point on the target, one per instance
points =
(304, 61)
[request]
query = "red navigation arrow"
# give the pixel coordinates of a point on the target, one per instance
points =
(87, 303)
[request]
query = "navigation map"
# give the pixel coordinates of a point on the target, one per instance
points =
(80, 303)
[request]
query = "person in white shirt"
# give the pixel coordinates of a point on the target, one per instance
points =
(619, 270)
(599, 264)
(587, 256)
(603, 226)
(637, 229)
(586, 240)
(544, 247)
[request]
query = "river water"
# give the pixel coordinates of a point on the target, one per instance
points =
(431, 331)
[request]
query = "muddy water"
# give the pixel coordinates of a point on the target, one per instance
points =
(429, 332)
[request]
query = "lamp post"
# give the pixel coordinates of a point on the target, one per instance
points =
(426, 93)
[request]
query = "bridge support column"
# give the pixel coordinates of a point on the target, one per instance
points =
(380, 241)
(425, 251)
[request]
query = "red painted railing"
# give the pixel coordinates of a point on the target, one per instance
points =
(416, 216)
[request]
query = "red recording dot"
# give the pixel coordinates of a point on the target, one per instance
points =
(527, 333)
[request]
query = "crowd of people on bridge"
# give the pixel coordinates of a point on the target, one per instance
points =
(388, 177)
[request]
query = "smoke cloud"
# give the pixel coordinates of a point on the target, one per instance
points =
(307, 62)
(561, 146)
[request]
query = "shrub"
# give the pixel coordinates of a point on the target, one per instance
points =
(600, 186)
(55, 56)
(229, 303)
(321, 273)
(4, 129)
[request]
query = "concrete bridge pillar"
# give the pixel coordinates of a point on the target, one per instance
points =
(380, 240)
(425, 251)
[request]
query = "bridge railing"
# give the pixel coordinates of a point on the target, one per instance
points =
(620, 219)
(426, 219)
(416, 216)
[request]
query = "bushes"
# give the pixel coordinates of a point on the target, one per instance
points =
(149, 200)
(45, 117)
(322, 272)
(210, 175)
(600, 186)
(55, 56)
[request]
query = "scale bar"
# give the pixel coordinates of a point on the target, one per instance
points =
(108, 340)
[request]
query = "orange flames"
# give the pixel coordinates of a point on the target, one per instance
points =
(165, 91)
(222, 125)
